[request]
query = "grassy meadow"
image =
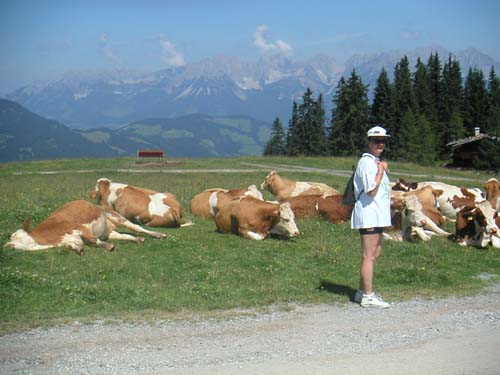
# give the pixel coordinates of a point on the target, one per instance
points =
(197, 270)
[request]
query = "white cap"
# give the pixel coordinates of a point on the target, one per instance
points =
(377, 131)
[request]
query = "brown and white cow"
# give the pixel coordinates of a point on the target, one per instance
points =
(328, 207)
(74, 224)
(139, 205)
(478, 225)
(207, 203)
(444, 201)
(492, 188)
(283, 188)
(411, 220)
(254, 219)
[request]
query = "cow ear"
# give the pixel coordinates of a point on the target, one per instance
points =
(437, 192)
(26, 224)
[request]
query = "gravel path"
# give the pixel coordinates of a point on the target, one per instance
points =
(442, 336)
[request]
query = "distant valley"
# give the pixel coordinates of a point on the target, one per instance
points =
(25, 135)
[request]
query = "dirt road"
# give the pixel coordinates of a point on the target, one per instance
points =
(445, 336)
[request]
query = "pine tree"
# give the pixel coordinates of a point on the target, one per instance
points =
(276, 144)
(475, 105)
(349, 117)
(407, 148)
(421, 88)
(435, 86)
(293, 138)
(311, 125)
(404, 100)
(493, 124)
(381, 109)
(451, 104)
(427, 154)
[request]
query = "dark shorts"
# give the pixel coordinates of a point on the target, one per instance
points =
(375, 230)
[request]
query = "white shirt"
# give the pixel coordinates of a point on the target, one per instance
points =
(370, 212)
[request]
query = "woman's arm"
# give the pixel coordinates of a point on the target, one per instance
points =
(382, 167)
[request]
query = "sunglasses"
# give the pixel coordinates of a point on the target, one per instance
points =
(378, 141)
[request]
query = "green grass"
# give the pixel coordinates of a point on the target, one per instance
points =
(196, 269)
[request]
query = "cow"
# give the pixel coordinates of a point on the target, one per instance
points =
(492, 189)
(427, 196)
(283, 188)
(478, 225)
(139, 205)
(206, 203)
(254, 219)
(411, 220)
(328, 207)
(445, 199)
(74, 224)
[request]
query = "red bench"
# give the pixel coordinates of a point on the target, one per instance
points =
(146, 154)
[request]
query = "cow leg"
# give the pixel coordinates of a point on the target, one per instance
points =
(429, 224)
(419, 232)
(119, 220)
(107, 245)
(125, 237)
(73, 241)
(252, 235)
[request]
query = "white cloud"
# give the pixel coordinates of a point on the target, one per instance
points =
(169, 55)
(106, 49)
(265, 46)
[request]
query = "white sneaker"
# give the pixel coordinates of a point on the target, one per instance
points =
(374, 301)
(358, 296)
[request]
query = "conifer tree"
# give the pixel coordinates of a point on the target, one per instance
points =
(407, 147)
(381, 109)
(311, 120)
(421, 88)
(404, 97)
(451, 104)
(349, 116)
(426, 150)
(293, 138)
(277, 143)
(475, 108)
(493, 124)
(435, 86)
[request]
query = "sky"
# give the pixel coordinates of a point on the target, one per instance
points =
(41, 39)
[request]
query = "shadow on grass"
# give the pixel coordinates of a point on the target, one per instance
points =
(341, 290)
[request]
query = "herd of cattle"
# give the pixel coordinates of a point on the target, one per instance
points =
(418, 211)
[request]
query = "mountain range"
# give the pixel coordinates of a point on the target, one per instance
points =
(220, 86)
(25, 135)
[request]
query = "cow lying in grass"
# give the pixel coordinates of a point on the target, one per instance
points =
(74, 224)
(444, 200)
(139, 205)
(328, 207)
(410, 220)
(283, 188)
(207, 203)
(254, 219)
(478, 225)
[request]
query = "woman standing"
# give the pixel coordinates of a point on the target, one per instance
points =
(371, 213)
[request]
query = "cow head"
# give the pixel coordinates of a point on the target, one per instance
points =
(266, 185)
(101, 191)
(402, 185)
(492, 188)
(286, 225)
(415, 222)
(477, 225)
